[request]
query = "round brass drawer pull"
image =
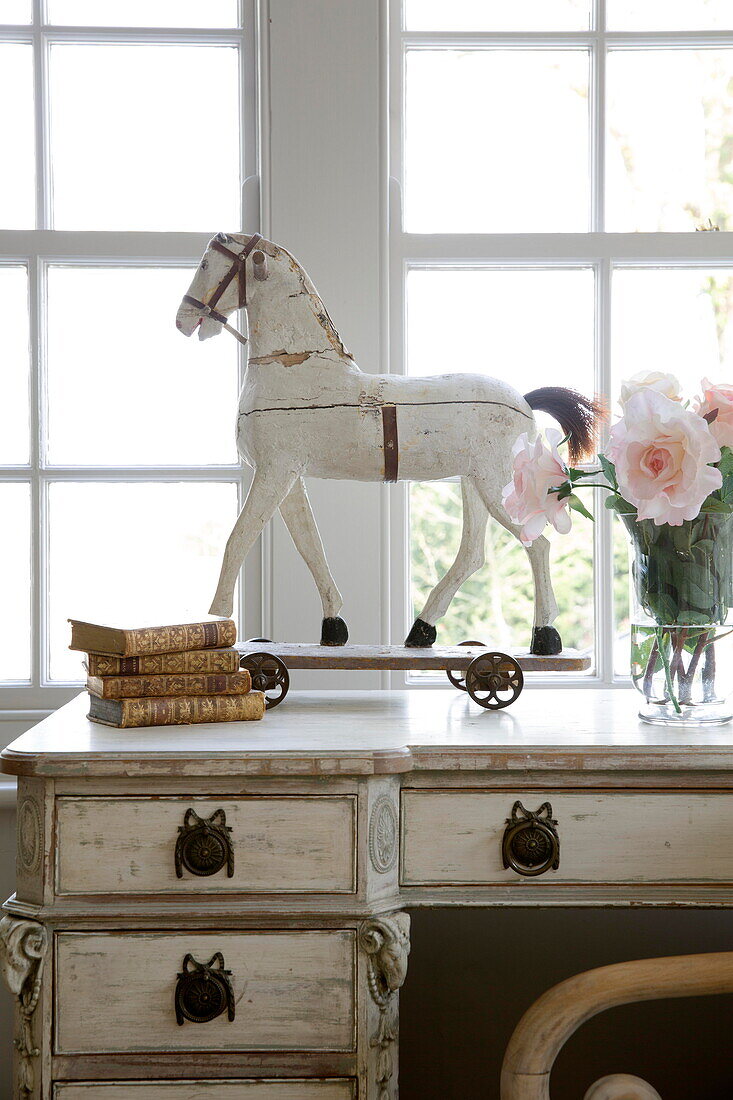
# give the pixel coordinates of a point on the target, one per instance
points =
(531, 844)
(203, 990)
(203, 846)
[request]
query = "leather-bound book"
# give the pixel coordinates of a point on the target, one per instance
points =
(138, 687)
(177, 710)
(91, 638)
(195, 660)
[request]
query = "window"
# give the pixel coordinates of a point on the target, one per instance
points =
(130, 129)
(554, 160)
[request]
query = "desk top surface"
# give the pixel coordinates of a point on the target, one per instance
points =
(341, 733)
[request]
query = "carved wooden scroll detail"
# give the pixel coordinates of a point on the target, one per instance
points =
(386, 943)
(23, 947)
(30, 836)
(383, 832)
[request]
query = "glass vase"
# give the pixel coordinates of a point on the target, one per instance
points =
(681, 623)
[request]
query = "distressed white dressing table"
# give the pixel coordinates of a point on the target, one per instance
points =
(220, 912)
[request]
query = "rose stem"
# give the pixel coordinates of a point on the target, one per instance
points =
(678, 645)
(651, 668)
(702, 641)
(667, 675)
(708, 673)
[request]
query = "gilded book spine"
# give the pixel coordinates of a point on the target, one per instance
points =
(173, 639)
(198, 661)
(137, 687)
(185, 710)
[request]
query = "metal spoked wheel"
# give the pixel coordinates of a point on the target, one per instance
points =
(269, 675)
(494, 680)
(458, 679)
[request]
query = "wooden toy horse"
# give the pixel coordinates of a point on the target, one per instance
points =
(306, 410)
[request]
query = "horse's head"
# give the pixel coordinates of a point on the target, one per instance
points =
(226, 278)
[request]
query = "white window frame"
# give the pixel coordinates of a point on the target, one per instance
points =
(38, 248)
(596, 249)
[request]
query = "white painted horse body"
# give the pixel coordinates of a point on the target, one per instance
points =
(346, 441)
(306, 410)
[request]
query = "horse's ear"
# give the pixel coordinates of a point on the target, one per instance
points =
(222, 238)
(259, 265)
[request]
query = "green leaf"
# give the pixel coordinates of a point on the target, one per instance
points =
(681, 538)
(712, 504)
(577, 505)
(664, 607)
(609, 470)
(726, 461)
(616, 503)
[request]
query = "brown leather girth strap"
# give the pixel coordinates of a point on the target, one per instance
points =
(391, 442)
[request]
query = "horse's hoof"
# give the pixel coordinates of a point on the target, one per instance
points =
(334, 632)
(546, 641)
(421, 636)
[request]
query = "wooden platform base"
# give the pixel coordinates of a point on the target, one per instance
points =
(455, 658)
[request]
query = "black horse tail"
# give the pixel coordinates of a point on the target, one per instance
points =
(578, 416)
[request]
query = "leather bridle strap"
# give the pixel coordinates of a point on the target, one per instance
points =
(237, 270)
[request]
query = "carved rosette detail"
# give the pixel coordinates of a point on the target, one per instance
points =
(386, 943)
(30, 840)
(383, 832)
(23, 947)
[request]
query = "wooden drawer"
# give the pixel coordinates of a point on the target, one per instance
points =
(279, 845)
(115, 992)
(454, 838)
(208, 1090)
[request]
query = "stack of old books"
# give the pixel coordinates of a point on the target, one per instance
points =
(165, 675)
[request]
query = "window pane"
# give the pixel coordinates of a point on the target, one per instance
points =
(17, 187)
(14, 379)
(478, 15)
(496, 605)
(155, 147)
(486, 309)
(669, 163)
(144, 13)
(669, 15)
(496, 141)
(15, 582)
(140, 394)
(15, 11)
(151, 555)
(675, 320)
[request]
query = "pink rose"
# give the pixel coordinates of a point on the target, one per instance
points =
(661, 452)
(718, 397)
(652, 380)
(526, 498)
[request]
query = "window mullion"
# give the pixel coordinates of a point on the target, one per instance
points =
(142, 473)
(598, 122)
(664, 248)
(467, 40)
(37, 595)
(603, 531)
(40, 92)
